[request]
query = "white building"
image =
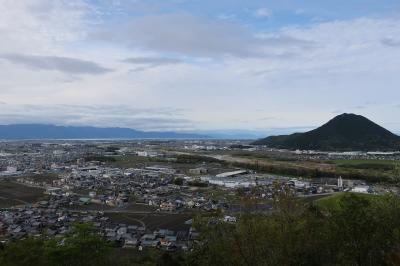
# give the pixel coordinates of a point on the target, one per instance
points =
(229, 219)
(232, 174)
(361, 189)
(11, 169)
(147, 153)
(231, 183)
(340, 182)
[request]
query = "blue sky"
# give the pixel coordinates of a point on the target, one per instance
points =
(280, 13)
(192, 65)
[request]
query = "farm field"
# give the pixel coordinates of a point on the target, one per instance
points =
(12, 194)
(366, 164)
(46, 178)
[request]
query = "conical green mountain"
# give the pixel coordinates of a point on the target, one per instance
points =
(346, 132)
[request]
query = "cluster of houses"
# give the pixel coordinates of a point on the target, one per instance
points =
(132, 236)
(83, 190)
(41, 221)
(154, 186)
(50, 219)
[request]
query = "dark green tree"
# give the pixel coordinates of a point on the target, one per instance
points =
(27, 252)
(83, 246)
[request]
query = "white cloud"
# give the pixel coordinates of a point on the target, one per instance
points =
(263, 13)
(394, 42)
(145, 63)
(40, 25)
(152, 60)
(225, 16)
(193, 36)
(184, 34)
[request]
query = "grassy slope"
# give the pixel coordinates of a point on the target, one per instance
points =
(332, 202)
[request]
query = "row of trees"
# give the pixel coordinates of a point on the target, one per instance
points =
(83, 246)
(359, 231)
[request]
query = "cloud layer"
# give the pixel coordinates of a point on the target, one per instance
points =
(56, 63)
(215, 65)
(165, 118)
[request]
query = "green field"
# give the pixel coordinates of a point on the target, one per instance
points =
(367, 164)
(289, 165)
(333, 202)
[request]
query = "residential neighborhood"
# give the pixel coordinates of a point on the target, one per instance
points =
(138, 194)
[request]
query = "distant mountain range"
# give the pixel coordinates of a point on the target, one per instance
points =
(346, 132)
(40, 131)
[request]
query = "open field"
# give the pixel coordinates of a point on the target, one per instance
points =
(332, 202)
(47, 177)
(14, 194)
(131, 161)
(134, 207)
(153, 221)
(385, 165)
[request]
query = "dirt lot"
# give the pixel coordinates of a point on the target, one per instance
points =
(48, 178)
(14, 194)
(135, 207)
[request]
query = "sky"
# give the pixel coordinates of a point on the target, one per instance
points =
(199, 65)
